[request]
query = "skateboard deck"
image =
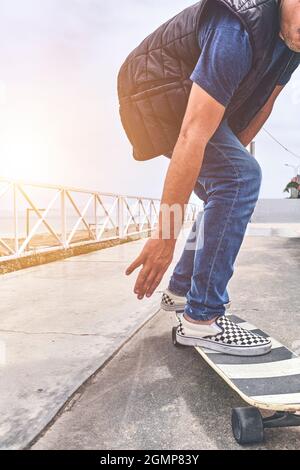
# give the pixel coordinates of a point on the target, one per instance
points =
(266, 382)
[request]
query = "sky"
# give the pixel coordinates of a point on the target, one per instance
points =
(59, 120)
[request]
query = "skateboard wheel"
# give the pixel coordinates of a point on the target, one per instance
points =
(247, 425)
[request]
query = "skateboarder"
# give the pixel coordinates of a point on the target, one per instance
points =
(198, 90)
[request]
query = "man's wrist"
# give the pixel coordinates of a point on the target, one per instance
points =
(161, 235)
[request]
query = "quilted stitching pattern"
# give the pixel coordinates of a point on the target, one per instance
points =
(154, 83)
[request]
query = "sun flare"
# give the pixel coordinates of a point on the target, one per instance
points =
(24, 149)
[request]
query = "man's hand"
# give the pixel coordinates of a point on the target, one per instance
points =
(155, 258)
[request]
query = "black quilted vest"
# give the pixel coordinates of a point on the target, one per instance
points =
(154, 83)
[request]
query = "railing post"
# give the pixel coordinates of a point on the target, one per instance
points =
(150, 218)
(16, 230)
(139, 216)
(121, 221)
(63, 218)
(96, 215)
(28, 221)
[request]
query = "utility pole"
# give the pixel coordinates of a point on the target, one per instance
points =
(253, 148)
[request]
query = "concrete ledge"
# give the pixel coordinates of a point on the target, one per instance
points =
(277, 211)
(48, 257)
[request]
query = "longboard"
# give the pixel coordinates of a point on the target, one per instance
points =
(269, 382)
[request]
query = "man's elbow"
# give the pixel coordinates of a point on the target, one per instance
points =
(192, 134)
(190, 148)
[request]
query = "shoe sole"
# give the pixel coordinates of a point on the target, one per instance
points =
(222, 348)
(173, 308)
(181, 307)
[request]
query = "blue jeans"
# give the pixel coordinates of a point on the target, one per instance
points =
(229, 184)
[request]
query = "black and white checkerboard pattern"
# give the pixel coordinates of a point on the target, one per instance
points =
(232, 334)
(167, 301)
(235, 335)
(172, 304)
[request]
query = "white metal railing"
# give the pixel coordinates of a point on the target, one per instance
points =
(39, 218)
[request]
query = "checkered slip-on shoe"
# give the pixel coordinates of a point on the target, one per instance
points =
(174, 303)
(223, 336)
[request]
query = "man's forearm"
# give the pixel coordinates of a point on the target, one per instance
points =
(202, 118)
(181, 178)
(247, 136)
(260, 119)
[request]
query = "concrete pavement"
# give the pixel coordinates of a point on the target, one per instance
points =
(152, 396)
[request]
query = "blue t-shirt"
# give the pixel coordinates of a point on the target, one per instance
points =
(226, 55)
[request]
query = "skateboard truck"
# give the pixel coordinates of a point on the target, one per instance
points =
(248, 425)
(282, 420)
